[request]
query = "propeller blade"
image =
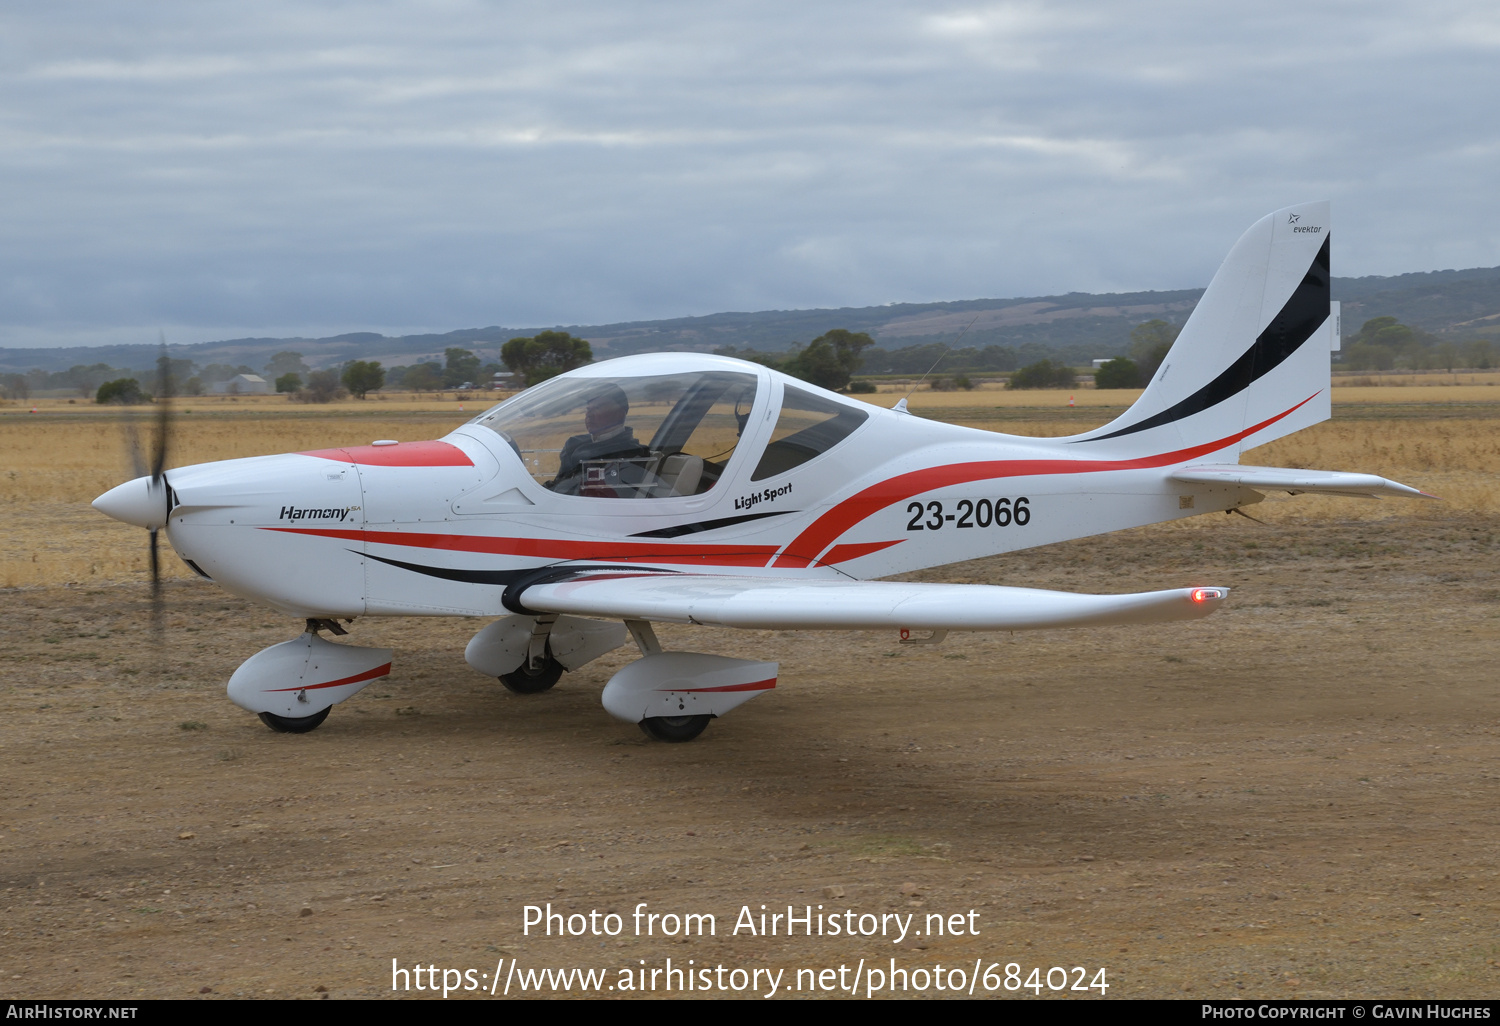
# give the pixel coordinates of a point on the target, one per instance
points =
(164, 391)
(156, 603)
(133, 450)
(159, 448)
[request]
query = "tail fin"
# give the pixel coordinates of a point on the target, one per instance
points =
(1252, 362)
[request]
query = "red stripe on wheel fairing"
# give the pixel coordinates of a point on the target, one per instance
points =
(759, 685)
(379, 671)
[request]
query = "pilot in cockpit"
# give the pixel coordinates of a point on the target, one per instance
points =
(608, 437)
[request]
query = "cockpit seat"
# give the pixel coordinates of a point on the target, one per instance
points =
(680, 474)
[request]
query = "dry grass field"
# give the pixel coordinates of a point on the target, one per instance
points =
(1294, 797)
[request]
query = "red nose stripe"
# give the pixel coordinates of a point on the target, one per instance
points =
(403, 454)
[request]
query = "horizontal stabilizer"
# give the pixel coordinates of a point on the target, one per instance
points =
(1279, 479)
(788, 604)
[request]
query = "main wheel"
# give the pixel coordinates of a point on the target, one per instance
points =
(528, 680)
(674, 728)
(294, 724)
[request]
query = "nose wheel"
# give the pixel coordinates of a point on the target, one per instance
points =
(674, 728)
(294, 724)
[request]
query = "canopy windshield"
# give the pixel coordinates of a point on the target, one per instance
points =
(648, 437)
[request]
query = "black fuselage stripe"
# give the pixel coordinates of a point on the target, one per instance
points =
(500, 577)
(709, 525)
(525, 577)
(1304, 312)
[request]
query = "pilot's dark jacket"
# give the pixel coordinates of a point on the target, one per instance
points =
(617, 443)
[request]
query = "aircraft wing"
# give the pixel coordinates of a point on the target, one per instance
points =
(769, 603)
(1330, 482)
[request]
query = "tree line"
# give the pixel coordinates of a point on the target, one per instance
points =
(832, 361)
(1384, 343)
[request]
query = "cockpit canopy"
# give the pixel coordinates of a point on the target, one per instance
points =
(660, 435)
(650, 436)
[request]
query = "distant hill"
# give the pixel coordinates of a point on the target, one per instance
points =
(1078, 326)
(1075, 319)
(319, 352)
(1463, 304)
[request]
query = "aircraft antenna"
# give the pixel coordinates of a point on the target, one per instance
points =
(947, 346)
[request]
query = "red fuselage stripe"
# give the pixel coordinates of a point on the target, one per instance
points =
(853, 550)
(554, 548)
(829, 527)
(379, 671)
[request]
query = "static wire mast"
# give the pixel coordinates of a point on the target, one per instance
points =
(691, 489)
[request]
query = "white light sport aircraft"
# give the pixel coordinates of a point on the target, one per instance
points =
(694, 489)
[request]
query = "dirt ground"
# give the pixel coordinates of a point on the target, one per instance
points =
(1294, 797)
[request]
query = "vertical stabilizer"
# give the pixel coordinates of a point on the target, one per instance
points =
(1252, 362)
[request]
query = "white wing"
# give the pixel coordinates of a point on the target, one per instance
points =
(788, 604)
(1330, 482)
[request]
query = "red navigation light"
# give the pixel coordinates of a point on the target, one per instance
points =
(1207, 594)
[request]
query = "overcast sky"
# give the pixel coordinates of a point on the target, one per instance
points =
(222, 169)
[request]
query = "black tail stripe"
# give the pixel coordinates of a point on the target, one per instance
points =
(1293, 325)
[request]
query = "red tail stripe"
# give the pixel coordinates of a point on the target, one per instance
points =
(827, 529)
